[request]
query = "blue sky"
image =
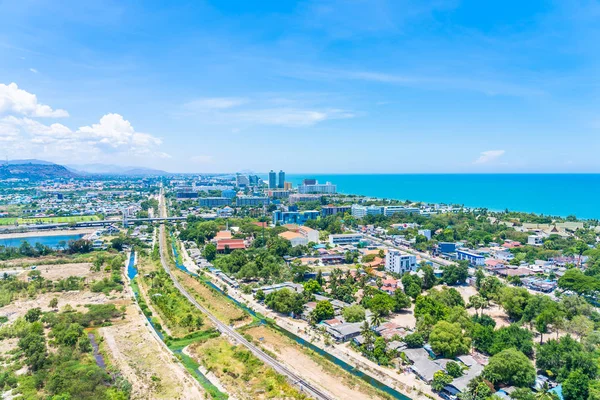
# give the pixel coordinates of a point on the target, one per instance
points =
(306, 86)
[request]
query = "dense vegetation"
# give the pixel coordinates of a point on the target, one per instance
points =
(60, 363)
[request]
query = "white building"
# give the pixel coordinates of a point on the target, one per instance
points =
(535, 240)
(399, 262)
(391, 210)
(359, 211)
(345, 238)
(327, 188)
(311, 235)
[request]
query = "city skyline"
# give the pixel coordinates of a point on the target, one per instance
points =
(438, 87)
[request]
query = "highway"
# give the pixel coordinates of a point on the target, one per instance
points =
(304, 386)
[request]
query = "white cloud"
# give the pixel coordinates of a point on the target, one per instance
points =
(35, 71)
(489, 156)
(291, 116)
(18, 101)
(113, 134)
(202, 159)
(263, 109)
(115, 131)
(214, 103)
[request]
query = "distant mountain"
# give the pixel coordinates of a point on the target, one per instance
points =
(33, 170)
(27, 161)
(109, 169)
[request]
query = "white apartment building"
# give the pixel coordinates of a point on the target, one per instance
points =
(345, 238)
(391, 210)
(359, 211)
(399, 262)
(327, 188)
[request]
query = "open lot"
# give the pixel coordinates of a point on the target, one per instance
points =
(240, 373)
(56, 272)
(152, 371)
(75, 299)
(222, 308)
(48, 220)
(312, 367)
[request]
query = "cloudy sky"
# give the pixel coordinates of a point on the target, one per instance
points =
(305, 86)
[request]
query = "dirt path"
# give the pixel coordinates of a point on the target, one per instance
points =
(152, 371)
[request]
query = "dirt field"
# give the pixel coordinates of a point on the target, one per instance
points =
(223, 309)
(76, 299)
(60, 271)
(152, 371)
(342, 386)
(466, 292)
(405, 319)
(496, 312)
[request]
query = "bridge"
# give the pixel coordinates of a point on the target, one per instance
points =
(87, 224)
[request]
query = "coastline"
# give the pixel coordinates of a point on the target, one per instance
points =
(542, 194)
(53, 232)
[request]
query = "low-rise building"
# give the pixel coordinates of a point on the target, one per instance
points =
(333, 210)
(293, 217)
(345, 238)
(399, 262)
(535, 240)
(252, 201)
(474, 259)
(359, 211)
(211, 202)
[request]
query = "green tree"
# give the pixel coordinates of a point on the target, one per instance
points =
(401, 300)
(576, 386)
(259, 295)
(514, 300)
(440, 380)
(33, 314)
(448, 339)
(354, 313)
(478, 302)
(381, 303)
(53, 302)
(510, 367)
(414, 340)
(323, 310)
(312, 286)
(455, 274)
(210, 252)
(429, 279)
(453, 369)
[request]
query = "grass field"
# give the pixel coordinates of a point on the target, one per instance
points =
(48, 220)
(224, 309)
(242, 374)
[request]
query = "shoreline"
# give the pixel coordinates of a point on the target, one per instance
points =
(53, 232)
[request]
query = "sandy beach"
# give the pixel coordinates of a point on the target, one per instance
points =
(54, 232)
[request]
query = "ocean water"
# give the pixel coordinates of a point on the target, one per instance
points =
(50, 241)
(548, 194)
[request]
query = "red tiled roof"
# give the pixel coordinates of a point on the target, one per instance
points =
(231, 244)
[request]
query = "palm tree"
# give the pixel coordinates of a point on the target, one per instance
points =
(478, 302)
(377, 318)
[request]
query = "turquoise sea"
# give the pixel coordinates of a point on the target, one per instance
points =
(548, 194)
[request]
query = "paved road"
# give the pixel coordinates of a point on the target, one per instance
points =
(225, 329)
